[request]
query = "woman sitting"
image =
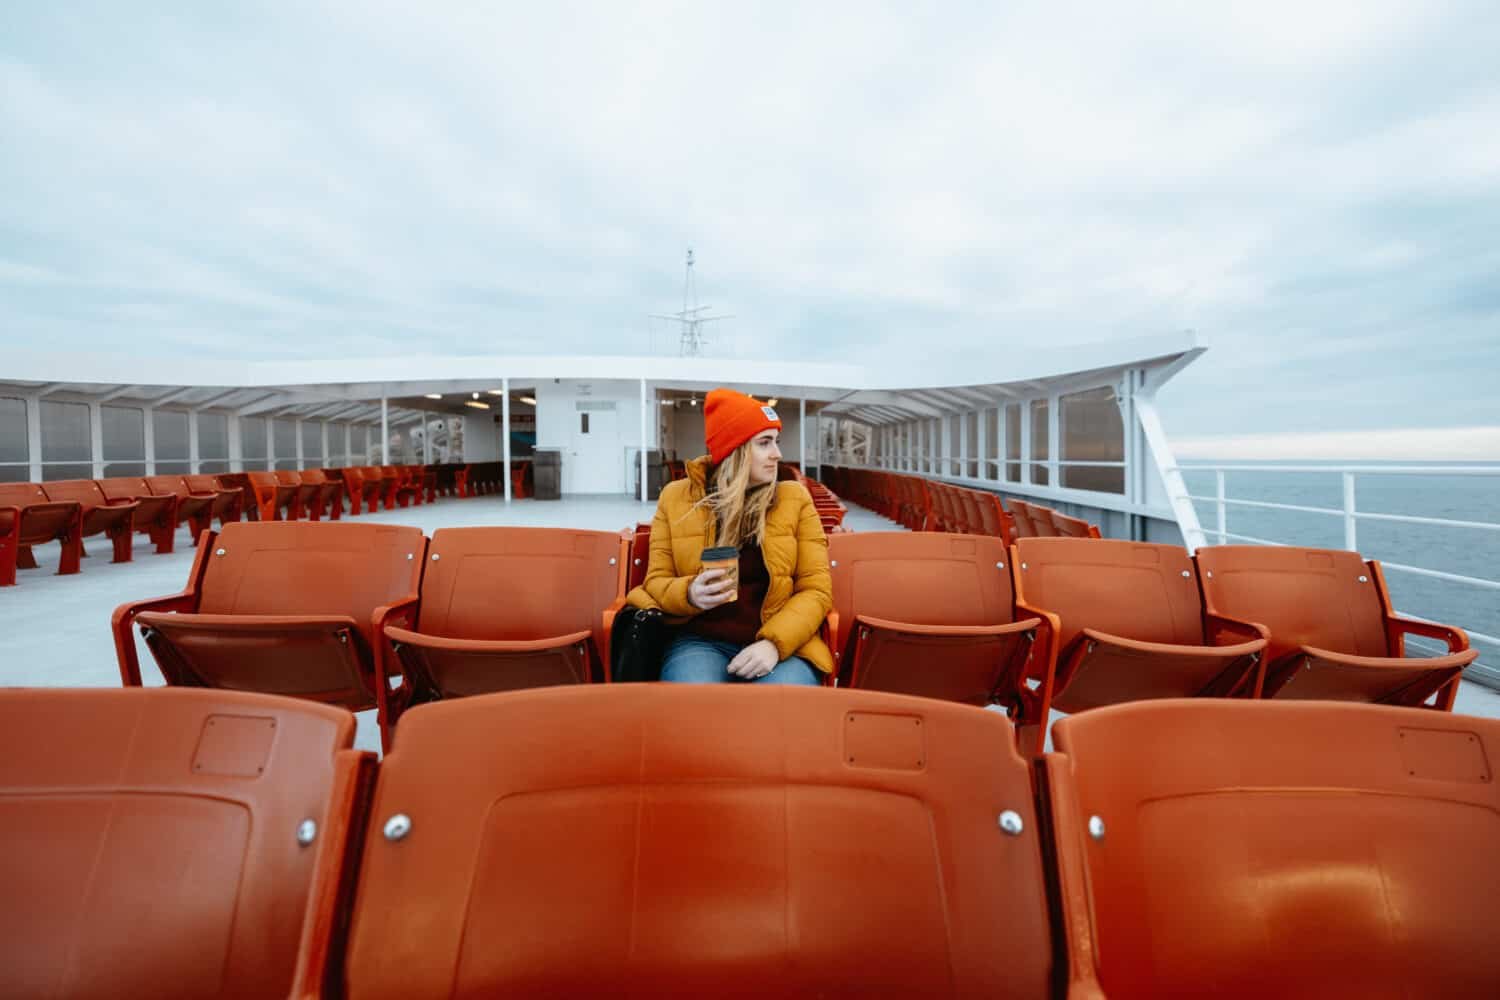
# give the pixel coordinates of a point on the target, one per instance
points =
(760, 624)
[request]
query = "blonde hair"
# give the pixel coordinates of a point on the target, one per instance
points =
(739, 508)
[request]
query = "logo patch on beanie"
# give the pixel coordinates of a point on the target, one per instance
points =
(770, 413)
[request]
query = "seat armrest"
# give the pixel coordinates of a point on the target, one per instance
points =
(1217, 627)
(1397, 626)
(1041, 667)
(396, 634)
(400, 614)
(608, 621)
(124, 616)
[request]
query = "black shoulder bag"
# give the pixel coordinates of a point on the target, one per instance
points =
(636, 645)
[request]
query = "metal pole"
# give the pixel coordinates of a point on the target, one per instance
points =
(385, 430)
(1350, 542)
(802, 434)
(644, 442)
(505, 433)
(1222, 508)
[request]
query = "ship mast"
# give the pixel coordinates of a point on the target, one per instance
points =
(691, 317)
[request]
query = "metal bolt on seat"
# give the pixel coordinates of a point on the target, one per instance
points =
(1096, 828)
(1010, 822)
(218, 552)
(397, 827)
(307, 832)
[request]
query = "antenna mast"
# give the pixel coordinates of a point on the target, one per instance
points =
(691, 318)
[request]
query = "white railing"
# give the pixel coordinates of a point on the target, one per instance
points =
(1351, 515)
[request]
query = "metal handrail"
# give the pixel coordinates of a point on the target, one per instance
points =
(1352, 516)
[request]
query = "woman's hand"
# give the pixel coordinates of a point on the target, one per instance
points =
(755, 660)
(710, 588)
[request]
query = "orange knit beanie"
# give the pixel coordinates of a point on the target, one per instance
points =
(731, 418)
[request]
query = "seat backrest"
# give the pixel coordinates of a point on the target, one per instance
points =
(152, 838)
(1021, 514)
(920, 578)
(262, 479)
(1071, 527)
(85, 491)
(313, 477)
(1326, 598)
(124, 487)
(202, 484)
(287, 477)
(21, 494)
(640, 840)
(1137, 590)
(1266, 849)
(1041, 520)
(519, 583)
(170, 486)
(311, 568)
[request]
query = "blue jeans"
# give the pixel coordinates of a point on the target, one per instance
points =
(694, 659)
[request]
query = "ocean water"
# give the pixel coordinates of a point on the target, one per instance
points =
(1469, 551)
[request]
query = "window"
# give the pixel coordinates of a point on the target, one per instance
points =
(284, 436)
(169, 436)
(338, 446)
(1092, 431)
(1039, 453)
(213, 442)
(66, 449)
(359, 445)
(253, 453)
(1013, 442)
(312, 444)
(15, 448)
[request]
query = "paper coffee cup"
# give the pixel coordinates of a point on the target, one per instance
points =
(728, 559)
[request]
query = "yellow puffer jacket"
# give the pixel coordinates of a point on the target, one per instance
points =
(795, 549)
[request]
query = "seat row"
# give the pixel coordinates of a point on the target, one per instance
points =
(690, 840)
(923, 504)
(377, 616)
(830, 508)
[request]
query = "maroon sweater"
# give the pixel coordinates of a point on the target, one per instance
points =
(739, 620)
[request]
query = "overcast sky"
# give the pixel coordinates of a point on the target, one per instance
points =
(1314, 187)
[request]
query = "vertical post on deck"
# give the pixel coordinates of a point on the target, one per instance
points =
(385, 429)
(1221, 508)
(193, 446)
(96, 440)
(426, 438)
(1350, 542)
(505, 434)
(34, 437)
(802, 435)
(644, 442)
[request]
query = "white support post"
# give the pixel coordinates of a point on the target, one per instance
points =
(1026, 477)
(1054, 441)
(802, 435)
(236, 444)
(325, 461)
(34, 437)
(301, 452)
(505, 434)
(385, 430)
(963, 444)
(148, 423)
(96, 440)
(1166, 467)
(348, 443)
(1350, 541)
(981, 447)
(644, 442)
(1221, 508)
(193, 446)
(426, 439)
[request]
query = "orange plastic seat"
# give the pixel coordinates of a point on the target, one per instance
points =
(325, 495)
(1072, 527)
(1333, 632)
(273, 495)
(1131, 623)
(290, 607)
(28, 518)
(932, 614)
(695, 841)
(1245, 849)
(399, 486)
(112, 518)
(194, 509)
(640, 554)
(1039, 518)
(506, 608)
(228, 500)
(155, 514)
(306, 494)
(164, 842)
(361, 488)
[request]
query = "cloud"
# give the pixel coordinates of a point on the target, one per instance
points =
(1313, 188)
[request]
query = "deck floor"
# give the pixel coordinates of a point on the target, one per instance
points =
(56, 629)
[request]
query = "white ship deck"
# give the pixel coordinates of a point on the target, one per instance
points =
(57, 627)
